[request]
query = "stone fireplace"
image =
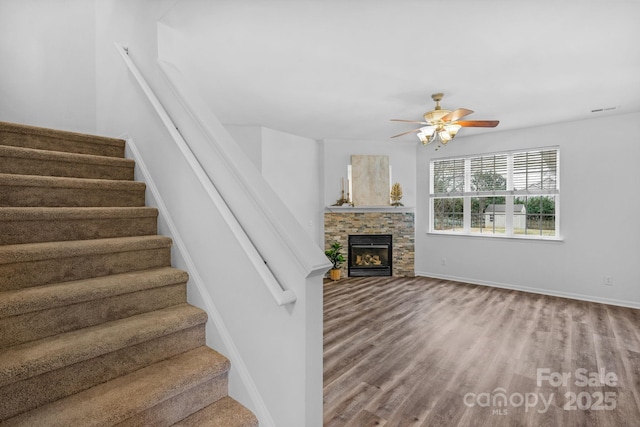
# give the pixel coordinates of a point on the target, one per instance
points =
(395, 223)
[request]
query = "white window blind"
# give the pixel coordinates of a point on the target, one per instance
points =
(535, 170)
(488, 173)
(448, 177)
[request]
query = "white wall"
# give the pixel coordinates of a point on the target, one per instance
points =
(291, 166)
(599, 175)
(336, 156)
(250, 139)
(47, 76)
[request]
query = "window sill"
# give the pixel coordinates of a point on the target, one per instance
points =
(497, 236)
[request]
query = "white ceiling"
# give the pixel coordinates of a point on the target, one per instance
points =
(341, 69)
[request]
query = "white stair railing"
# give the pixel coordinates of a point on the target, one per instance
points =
(280, 295)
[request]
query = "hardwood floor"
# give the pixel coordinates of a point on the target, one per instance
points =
(428, 352)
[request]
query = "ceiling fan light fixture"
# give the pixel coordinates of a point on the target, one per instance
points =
(443, 125)
(426, 133)
(452, 130)
(444, 136)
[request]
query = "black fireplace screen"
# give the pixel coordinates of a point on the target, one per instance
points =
(370, 255)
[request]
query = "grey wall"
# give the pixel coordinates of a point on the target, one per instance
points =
(48, 72)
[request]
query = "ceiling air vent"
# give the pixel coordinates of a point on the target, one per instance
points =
(599, 110)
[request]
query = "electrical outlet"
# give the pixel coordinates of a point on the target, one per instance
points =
(608, 281)
(443, 261)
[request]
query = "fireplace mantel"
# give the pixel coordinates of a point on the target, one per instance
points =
(352, 209)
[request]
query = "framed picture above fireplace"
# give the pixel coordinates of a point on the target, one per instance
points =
(370, 180)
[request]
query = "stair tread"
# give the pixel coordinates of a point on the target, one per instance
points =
(121, 398)
(43, 162)
(40, 190)
(226, 412)
(57, 213)
(63, 156)
(36, 357)
(27, 300)
(68, 182)
(22, 225)
(60, 134)
(28, 252)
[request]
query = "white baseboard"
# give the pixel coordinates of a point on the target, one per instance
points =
(548, 292)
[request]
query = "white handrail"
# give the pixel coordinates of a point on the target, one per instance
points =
(304, 251)
(280, 295)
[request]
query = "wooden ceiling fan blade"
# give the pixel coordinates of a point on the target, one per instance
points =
(407, 132)
(478, 123)
(456, 115)
(409, 121)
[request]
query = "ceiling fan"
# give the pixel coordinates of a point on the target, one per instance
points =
(442, 125)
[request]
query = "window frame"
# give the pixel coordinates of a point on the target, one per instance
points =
(510, 193)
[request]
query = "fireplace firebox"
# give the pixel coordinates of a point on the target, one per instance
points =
(370, 255)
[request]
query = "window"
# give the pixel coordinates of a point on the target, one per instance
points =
(513, 194)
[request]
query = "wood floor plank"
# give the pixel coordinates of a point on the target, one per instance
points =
(394, 396)
(368, 354)
(631, 360)
(416, 351)
(600, 320)
(446, 412)
(626, 331)
(366, 419)
(350, 406)
(419, 401)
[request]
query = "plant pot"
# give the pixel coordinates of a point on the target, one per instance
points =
(334, 274)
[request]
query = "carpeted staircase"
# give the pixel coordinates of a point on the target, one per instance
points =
(95, 329)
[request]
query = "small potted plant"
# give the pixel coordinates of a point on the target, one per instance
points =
(334, 253)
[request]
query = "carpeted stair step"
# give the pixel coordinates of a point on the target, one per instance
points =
(32, 190)
(33, 313)
(158, 395)
(19, 135)
(53, 368)
(96, 330)
(36, 264)
(226, 412)
(32, 224)
(30, 161)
